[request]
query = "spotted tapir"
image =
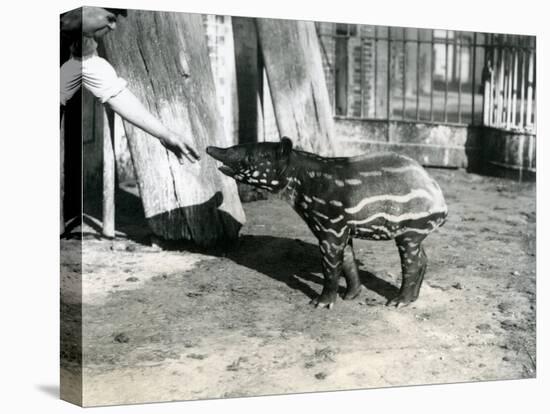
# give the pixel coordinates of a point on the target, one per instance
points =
(378, 196)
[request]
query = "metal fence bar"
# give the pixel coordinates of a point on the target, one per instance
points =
(514, 88)
(375, 70)
(530, 78)
(522, 91)
(418, 74)
(507, 87)
(334, 74)
(388, 75)
(510, 87)
(494, 85)
(446, 75)
(458, 53)
(432, 64)
(363, 75)
(404, 93)
(474, 54)
(502, 88)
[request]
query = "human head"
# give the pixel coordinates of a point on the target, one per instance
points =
(98, 21)
(90, 21)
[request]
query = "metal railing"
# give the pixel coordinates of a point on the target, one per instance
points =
(439, 76)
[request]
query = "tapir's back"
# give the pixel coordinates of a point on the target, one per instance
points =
(387, 182)
(376, 191)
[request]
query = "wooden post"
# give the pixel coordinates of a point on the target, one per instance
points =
(109, 174)
(292, 59)
(249, 78)
(164, 58)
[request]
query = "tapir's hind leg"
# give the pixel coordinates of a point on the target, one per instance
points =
(351, 274)
(413, 266)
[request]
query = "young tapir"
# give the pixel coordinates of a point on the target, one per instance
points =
(379, 196)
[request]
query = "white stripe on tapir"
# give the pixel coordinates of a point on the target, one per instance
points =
(337, 234)
(370, 173)
(402, 217)
(403, 169)
(418, 193)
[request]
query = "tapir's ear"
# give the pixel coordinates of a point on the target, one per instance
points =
(286, 147)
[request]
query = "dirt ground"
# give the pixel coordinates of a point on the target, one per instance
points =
(162, 325)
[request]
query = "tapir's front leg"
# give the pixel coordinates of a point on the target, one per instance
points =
(332, 250)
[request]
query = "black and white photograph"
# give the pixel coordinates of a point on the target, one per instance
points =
(261, 206)
(266, 207)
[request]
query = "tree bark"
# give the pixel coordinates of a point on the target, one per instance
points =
(296, 79)
(164, 58)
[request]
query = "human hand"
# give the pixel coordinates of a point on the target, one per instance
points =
(180, 148)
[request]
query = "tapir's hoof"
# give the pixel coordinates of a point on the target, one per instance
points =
(319, 303)
(400, 301)
(351, 294)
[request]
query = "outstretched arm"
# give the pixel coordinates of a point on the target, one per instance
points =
(132, 110)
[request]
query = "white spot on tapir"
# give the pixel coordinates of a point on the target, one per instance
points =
(307, 198)
(319, 200)
(255, 174)
(339, 183)
(320, 214)
(304, 205)
(353, 181)
(274, 182)
(336, 203)
(263, 181)
(311, 174)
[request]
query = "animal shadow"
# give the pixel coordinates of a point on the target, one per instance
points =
(296, 263)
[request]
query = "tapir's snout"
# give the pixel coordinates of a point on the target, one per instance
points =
(216, 153)
(222, 155)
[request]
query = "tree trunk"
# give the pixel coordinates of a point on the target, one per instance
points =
(296, 79)
(164, 58)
